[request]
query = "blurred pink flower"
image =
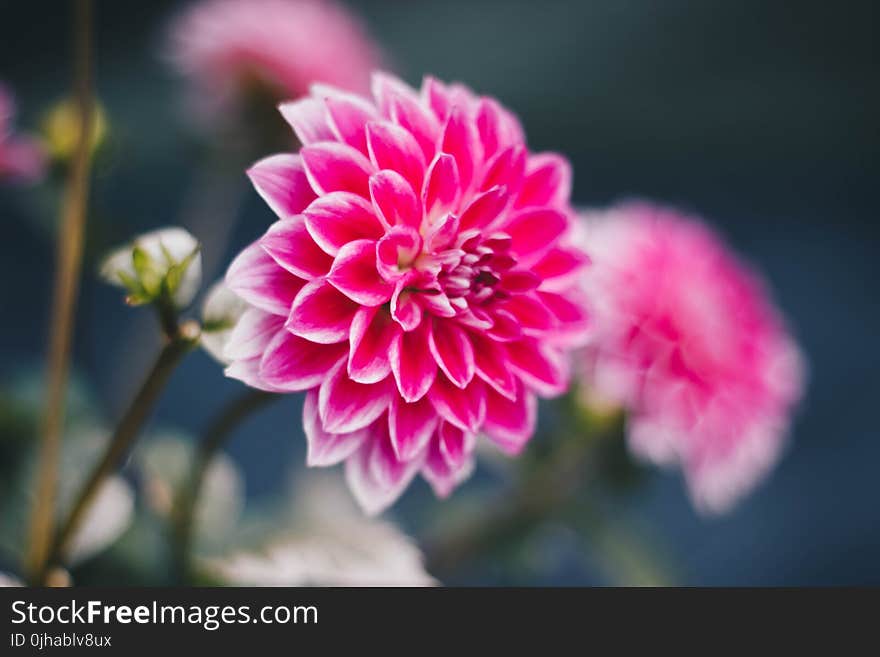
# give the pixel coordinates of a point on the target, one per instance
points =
(286, 45)
(687, 339)
(21, 158)
(418, 285)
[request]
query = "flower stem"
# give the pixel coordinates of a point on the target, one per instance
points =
(181, 342)
(67, 274)
(212, 440)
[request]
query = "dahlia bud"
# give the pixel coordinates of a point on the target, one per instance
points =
(161, 265)
(220, 314)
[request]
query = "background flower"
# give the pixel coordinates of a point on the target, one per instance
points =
(21, 158)
(274, 47)
(688, 341)
(418, 285)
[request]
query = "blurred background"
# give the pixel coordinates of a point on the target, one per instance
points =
(759, 116)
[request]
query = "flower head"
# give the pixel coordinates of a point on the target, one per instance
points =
(418, 284)
(227, 46)
(21, 158)
(686, 338)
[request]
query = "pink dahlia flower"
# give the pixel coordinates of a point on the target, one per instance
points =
(284, 45)
(418, 284)
(686, 338)
(21, 158)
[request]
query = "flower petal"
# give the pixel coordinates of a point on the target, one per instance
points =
(463, 408)
(392, 147)
(510, 424)
(338, 218)
(411, 426)
(345, 405)
(411, 363)
(281, 181)
(452, 350)
(376, 493)
(259, 280)
(547, 181)
(347, 115)
(308, 118)
(325, 449)
(372, 332)
(460, 140)
(292, 363)
(490, 364)
(248, 372)
(321, 313)
(409, 113)
(335, 167)
(396, 252)
(394, 199)
(289, 243)
(560, 267)
(354, 274)
(533, 232)
(251, 334)
(405, 309)
(486, 208)
(542, 368)
(442, 188)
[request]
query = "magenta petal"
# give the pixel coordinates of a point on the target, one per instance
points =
(308, 118)
(354, 274)
(547, 181)
(442, 477)
(338, 218)
(411, 363)
(452, 349)
(405, 309)
(292, 363)
(534, 232)
(455, 445)
(530, 311)
(252, 334)
(506, 168)
(336, 167)
(490, 363)
(494, 128)
(321, 313)
(347, 116)
(570, 313)
(386, 88)
(346, 405)
(485, 208)
(396, 252)
(409, 113)
(259, 280)
(463, 408)
(460, 140)
(441, 190)
(289, 243)
(372, 332)
(281, 181)
(392, 147)
(505, 326)
(411, 426)
(436, 96)
(325, 449)
(394, 199)
(560, 267)
(510, 424)
(376, 487)
(541, 368)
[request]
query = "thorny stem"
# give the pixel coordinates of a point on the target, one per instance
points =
(67, 274)
(216, 434)
(177, 346)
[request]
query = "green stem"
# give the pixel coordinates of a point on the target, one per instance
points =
(179, 344)
(67, 275)
(216, 434)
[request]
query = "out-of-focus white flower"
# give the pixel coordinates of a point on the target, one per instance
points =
(8, 581)
(220, 313)
(331, 543)
(164, 262)
(107, 519)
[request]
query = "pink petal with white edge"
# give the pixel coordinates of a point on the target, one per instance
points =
(547, 181)
(452, 349)
(410, 114)
(281, 181)
(460, 140)
(392, 147)
(530, 311)
(308, 118)
(411, 426)
(347, 115)
(289, 243)
(541, 368)
(321, 313)
(325, 449)
(252, 334)
(405, 309)
(386, 88)
(455, 445)
(494, 127)
(372, 332)
(440, 475)
(394, 200)
(490, 363)
(463, 408)
(354, 274)
(506, 168)
(485, 209)
(293, 364)
(259, 280)
(338, 218)
(534, 232)
(573, 320)
(248, 372)
(436, 96)
(510, 424)
(372, 494)
(441, 189)
(346, 405)
(336, 167)
(411, 363)
(560, 268)
(396, 252)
